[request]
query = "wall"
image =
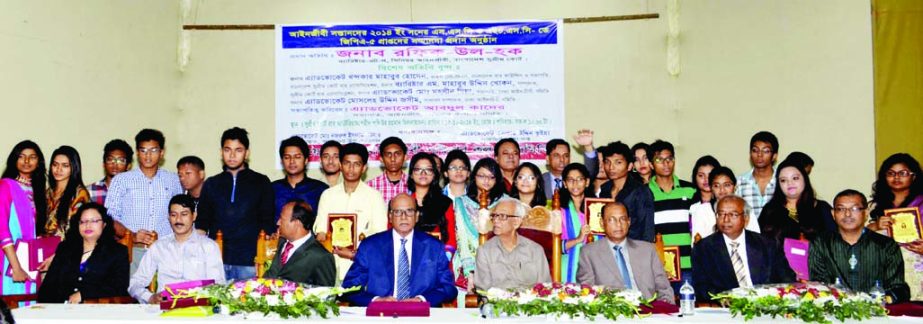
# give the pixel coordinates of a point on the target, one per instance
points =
(801, 70)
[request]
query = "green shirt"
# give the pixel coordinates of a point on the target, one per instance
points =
(874, 257)
(671, 217)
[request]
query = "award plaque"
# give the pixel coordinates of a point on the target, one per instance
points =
(593, 211)
(905, 224)
(341, 230)
(671, 263)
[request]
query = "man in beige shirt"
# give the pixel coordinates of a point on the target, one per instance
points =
(352, 196)
(508, 260)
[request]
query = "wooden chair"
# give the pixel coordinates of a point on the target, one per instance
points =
(12, 301)
(266, 246)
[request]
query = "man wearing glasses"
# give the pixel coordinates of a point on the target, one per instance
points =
(858, 257)
(401, 264)
(139, 199)
(116, 159)
(756, 187)
(508, 260)
(734, 257)
(672, 199)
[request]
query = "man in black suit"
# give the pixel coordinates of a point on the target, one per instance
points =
(300, 257)
(734, 257)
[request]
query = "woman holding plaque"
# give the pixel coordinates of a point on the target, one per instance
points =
(575, 230)
(488, 179)
(89, 263)
(528, 186)
(24, 175)
(456, 170)
(897, 186)
(794, 209)
(436, 214)
(66, 191)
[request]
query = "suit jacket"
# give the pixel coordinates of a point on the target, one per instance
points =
(310, 264)
(373, 269)
(106, 273)
(712, 271)
(548, 180)
(597, 267)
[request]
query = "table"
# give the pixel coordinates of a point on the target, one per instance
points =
(65, 313)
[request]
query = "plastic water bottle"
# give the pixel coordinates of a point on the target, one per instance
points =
(686, 299)
(838, 284)
(878, 293)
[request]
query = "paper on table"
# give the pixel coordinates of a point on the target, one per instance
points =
(796, 252)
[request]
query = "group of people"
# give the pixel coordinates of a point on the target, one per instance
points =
(419, 228)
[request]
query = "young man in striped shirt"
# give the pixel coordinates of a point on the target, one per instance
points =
(672, 199)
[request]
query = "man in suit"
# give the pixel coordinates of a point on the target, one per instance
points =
(609, 262)
(557, 154)
(734, 257)
(300, 257)
(401, 264)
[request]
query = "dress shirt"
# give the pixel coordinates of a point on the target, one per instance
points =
(98, 191)
(365, 202)
(308, 190)
(295, 245)
(749, 190)
(198, 258)
(397, 254)
(139, 202)
(742, 251)
(522, 267)
(624, 245)
(387, 189)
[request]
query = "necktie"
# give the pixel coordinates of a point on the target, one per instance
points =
(623, 268)
(557, 183)
(286, 251)
(403, 273)
(738, 266)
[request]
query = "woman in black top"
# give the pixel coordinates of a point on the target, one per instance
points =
(436, 212)
(794, 208)
(89, 263)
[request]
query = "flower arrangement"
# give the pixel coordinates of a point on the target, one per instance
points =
(810, 302)
(568, 299)
(282, 298)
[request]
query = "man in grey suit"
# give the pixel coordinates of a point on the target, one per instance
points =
(557, 154)
(609, 262)
(300, 257)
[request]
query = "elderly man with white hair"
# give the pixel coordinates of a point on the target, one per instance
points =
(509, 260)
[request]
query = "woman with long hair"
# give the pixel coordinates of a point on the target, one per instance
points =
(487, 179)
(642, 163)
(20, 211)
(575, 229)
(89, 263)
(66, 191)
(436, 214)
(456, 169)
(794, 208)
(528, 186)
(702, 213)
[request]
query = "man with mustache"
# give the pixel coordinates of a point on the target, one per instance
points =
(734, 257)
(856, 256)
(186, 255)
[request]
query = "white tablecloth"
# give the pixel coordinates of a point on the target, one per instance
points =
(61, 313)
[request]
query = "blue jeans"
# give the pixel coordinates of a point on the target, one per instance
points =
(238, 272)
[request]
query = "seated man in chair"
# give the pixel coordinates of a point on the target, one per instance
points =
(509, 260)
(300, 257)
(401, 264)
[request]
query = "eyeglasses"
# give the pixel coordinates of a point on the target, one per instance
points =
(575, 180)
(402, 212)
(731, 215)
(149, 150)
(898, 174)
(501, 217)
(455, 168)
(91, 221)
(527, 178)
(484, 177)
(664, 160)
(854, 210)
(423, 171)
(114, 160)
(764, 151)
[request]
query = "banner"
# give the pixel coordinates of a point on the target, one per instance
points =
(436, 86)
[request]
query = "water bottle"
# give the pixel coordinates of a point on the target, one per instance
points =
(686, 299)
(838, 284)
(878, 293)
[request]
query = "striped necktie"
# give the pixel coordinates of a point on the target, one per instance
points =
(623, 268)
(738, 263)
(403, 273)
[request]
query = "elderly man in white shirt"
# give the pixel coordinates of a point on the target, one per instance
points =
(186, 255)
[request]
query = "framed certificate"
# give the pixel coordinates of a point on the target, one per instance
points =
(905, 224)
(342, 231)
(671, 263)
(593, 211)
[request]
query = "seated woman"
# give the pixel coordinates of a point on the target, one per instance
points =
(89, 263)
(794, 209)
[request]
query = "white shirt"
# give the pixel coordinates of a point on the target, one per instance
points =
(624, 245)
(704, 220)
(295, 245)
(397, 253)
(197, 258)
(742, 252)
